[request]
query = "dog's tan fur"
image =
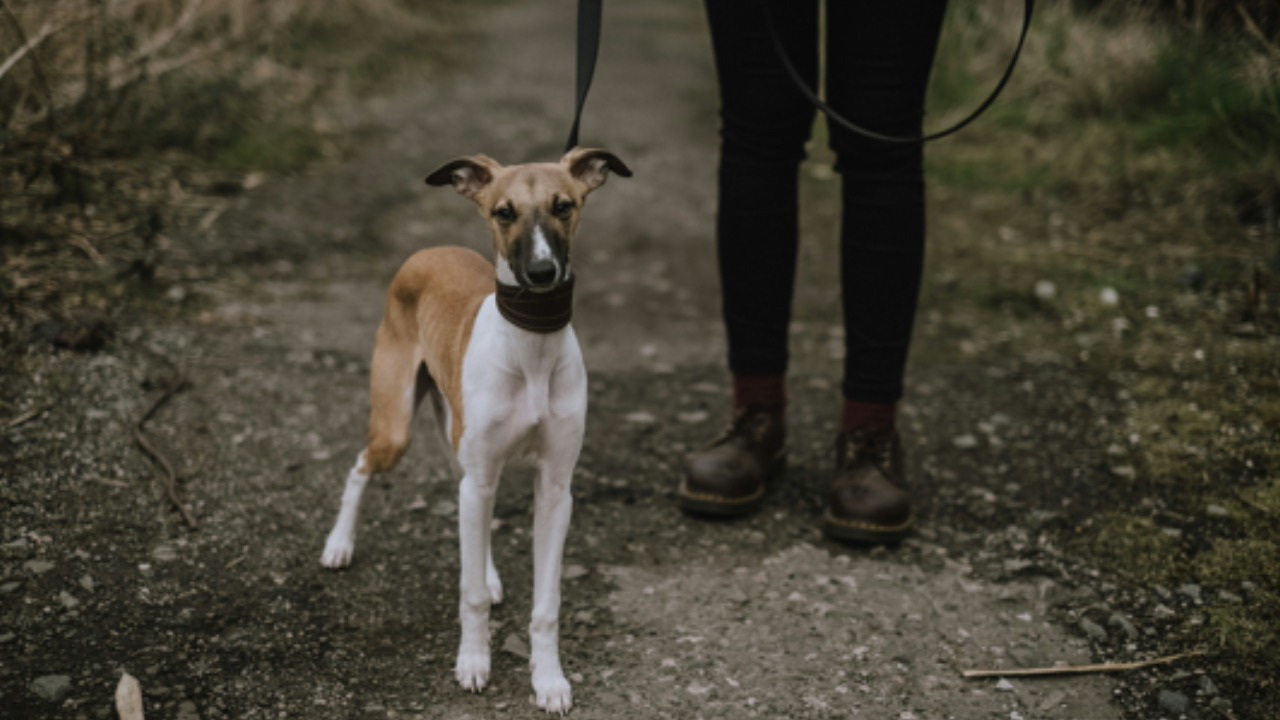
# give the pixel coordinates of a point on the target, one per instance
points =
(435, 294)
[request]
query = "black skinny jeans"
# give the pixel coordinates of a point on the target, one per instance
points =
(878, 57)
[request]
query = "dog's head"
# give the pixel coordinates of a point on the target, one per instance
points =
(532, 209)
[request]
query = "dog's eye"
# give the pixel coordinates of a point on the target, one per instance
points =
(562, 207)
(504, 213)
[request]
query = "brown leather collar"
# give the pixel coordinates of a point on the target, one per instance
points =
(544, 312)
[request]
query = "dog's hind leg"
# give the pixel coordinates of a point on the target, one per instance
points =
(393, 395)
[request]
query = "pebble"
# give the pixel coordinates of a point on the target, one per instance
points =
(514, 645)
(1191, 590)
(572, 572)
(1174, 702)
(54, 688)
(39, 567)
(19, 546)
(1004, 685)
(1217, 511)
(1221, 704)
(1046, 290)
(443, 508)
(692, 417)
(68, 600)
(87, 583)
(965, 442)
(164, 553)
(1247, 587)
(187, 711)
(1124, 624)
(1093, 629)
(1207, 686)
(1109, 296)
(1229, 597)
(1190, 277)
(9, 587)
(640, 417)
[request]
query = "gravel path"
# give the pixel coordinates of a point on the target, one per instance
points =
(663, 616)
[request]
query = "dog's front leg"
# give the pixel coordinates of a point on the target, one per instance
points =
(553, 508)
(475, 510)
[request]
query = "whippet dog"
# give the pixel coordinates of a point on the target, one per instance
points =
(493, 350)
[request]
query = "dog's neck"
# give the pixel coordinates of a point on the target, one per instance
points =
(538, 312)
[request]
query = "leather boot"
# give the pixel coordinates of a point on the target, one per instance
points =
(869, 501)
(727, 477)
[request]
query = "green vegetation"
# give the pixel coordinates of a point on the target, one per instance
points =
(1137, 155)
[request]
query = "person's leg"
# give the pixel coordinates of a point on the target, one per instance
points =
(765, 122)
(879, 56)
(878, 61)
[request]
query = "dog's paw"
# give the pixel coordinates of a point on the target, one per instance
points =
(472, 670)
(552, 692)
(337, 552)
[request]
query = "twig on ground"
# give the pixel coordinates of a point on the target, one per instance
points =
(236, 562)
(27, 416)
(171, 477)
(1079, 669)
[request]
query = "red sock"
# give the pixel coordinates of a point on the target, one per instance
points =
(768, 391)
(876, 415)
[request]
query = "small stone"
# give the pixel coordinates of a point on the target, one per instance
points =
(6, 637)
(1046, 290)
(18, 547)
(1217, 511)
(514, 645)
(443, 508)
(1095, 631)
(572, 572)
(1190, 278)
(1191, 590)
(964, 442)
(1124, 625)
(1207, 686)
(640, 417)
(1221, 704)
(1174, 702)
(419, 503)
(1247, 587)
(39, 567)
(692, 417)
(1225, 596)
(1004, 685)
(164, 553)
(54, 688)
(68, 600)
(1109, 296)
(187, 711)
(1162, 591)
(87, 583)
(9, 587)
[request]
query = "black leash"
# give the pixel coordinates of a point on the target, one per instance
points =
(589, 15)
(1029, 8)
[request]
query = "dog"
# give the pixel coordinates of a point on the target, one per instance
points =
(491, 346)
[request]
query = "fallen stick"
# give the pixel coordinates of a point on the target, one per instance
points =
(171, 477)
(1079, 669)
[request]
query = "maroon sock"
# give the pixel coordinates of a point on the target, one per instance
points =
(876, 415)
(768, 391)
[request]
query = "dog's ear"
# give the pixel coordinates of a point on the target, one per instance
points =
(591, 167)
(467, 175)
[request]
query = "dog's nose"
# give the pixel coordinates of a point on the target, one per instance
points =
(542, 272)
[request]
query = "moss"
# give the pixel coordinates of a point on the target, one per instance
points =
(1133, 547)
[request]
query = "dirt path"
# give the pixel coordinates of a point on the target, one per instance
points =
(663, 616)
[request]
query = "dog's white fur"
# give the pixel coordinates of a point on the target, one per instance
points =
(522, 393)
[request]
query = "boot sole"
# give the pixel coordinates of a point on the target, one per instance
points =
(869, 533)
(704, 504)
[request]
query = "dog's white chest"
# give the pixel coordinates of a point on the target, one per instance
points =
(519, 386)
